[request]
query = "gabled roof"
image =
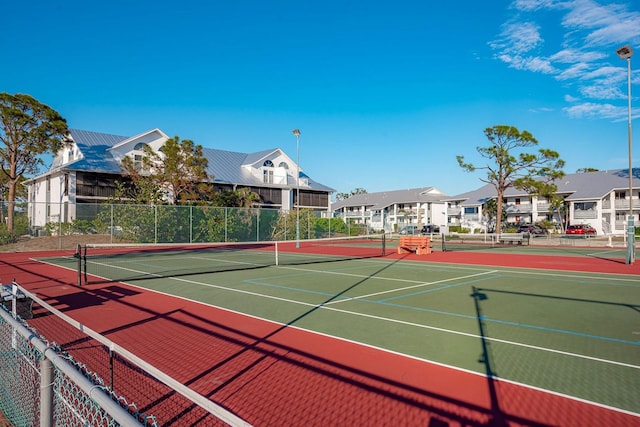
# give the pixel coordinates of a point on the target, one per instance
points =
(93, 146)
(143, 136)
(383, 199)
(577, 186)
(224, 166)
(260, 156)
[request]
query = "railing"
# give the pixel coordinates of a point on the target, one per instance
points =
(589, 214)
(512, 208)
(624, 204)
(622, 224)
(543, 207)
(40, 386)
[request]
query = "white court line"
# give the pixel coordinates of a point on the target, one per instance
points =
(533, 272)
(323, 306)
(418, 284)
(413, 287)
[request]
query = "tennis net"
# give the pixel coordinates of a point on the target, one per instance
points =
(101, 263)
(481, 242)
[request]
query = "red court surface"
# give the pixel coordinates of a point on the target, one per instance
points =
(270, 375)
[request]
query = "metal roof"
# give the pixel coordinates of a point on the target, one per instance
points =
(382, 199)
(577, 186)
(225, 166)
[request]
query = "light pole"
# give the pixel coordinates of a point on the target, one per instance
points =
(296, 132)
(625, 52)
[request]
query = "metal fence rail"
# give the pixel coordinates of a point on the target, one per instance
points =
(40, 386)
(117, 370)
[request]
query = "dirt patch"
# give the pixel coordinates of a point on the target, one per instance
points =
(48, 243)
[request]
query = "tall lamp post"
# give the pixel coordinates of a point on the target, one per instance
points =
(296, 132)
(625, 52)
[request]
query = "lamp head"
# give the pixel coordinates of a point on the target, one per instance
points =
(296, 132)
(625, 52)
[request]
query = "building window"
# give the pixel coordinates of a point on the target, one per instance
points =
(268, 163)
(137, 162)
(621, 195)
(284, 165)
(139, 146)
(267, 176)
(517, 201)
(585, 206)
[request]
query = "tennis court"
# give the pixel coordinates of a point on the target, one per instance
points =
(571, 335)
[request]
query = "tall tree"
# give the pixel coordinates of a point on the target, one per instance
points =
(28, 129)
(510, 166)
(179, 171)
(344, 196)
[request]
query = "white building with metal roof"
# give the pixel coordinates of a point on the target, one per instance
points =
(391, 210)
(600, 199)
(86, 170)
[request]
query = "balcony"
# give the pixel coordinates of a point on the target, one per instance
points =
(517, 209)
(588, 214)
(454, 211)
(543, 207)
(624, 204)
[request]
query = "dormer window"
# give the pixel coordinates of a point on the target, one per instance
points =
(267, 172)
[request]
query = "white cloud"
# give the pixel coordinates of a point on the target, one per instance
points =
(572, 55)
(592, 110)
(541, 110)
(531, 5)
(575, 71)
(601, 92)
(584, 58)
(517, 38)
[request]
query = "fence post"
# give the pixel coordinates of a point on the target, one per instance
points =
(78, 255)
(46, 393)
(111, 227)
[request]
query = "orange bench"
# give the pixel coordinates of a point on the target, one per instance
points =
(421, 245)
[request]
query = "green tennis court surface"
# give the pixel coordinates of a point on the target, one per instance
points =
(571, 333)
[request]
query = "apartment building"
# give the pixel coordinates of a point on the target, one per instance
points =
(601, 199)
(86, 170)
(390, 211)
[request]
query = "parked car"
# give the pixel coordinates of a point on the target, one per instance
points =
(409, 229)
(531, 229)
(581, 229)
(429, 228)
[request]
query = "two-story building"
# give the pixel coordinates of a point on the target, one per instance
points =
(601, 199)
(86, 171)
(389, 211)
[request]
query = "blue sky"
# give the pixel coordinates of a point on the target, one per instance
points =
(385, 94)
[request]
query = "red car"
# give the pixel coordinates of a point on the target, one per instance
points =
(585, 229)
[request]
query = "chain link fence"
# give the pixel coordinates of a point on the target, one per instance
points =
(42, 385)
(171, 223)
